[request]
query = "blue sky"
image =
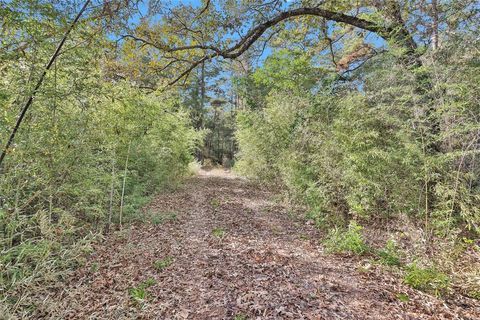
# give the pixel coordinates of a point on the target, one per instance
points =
(372, 38)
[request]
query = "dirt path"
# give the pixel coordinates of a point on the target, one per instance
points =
(266, 265)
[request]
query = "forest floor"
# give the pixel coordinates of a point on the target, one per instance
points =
(227, 250)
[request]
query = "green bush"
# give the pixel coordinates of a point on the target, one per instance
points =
(331, 163)
(349, 240)
(83, 145)
(426, 279)
(348, 153)
(389, 255)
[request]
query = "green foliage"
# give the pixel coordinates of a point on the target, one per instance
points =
(364, 150)
(349, 240)
(138, 294)
(426, 279)
(403, 297)
(288, 70)
(218, 232)
(94, 267)
(62, 180)
(215, 203)
(333, 165)
(240, 317)
(264, 136)
(156, 220)
(475, 294)
(162, 264)
(149, 282)
(389, 255)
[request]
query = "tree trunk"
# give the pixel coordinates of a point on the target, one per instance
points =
(112, 190)
(435, 25)
(123, 185)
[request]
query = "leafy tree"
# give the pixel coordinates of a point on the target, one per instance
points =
(90, 152)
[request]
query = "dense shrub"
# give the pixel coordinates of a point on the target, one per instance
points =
(90, 153)
(364, 150)
(70, 175)
(348, 240)
(354, 163)
(390, 145)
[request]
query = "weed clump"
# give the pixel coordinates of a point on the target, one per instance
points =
(426, 279)
(389, 255)
(138, 294)
(162, 264)
(346, 240)
(215, 203)
(218, 232)
(162, 217)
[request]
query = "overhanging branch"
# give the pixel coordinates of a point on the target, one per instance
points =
(397, 33)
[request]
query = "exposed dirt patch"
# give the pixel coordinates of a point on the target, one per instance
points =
(236, 255)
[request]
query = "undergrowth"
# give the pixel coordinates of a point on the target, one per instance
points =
(348, 240)
(162, 264)
(389, 255)
(426, 279)
(138, 294)
(32, 266)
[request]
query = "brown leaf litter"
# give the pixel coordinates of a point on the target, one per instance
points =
(265, 264)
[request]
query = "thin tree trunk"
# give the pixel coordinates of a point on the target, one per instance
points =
(202, 94)
(123, 185)
(39, 83)
(112, 189)
(435, 25)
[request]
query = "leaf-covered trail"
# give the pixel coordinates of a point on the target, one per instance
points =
(267, 265)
